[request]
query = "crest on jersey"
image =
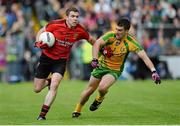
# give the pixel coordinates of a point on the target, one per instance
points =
(75, 35)
(122, 49)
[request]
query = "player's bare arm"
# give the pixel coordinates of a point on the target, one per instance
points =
(142, 54)
(96, 47)
(155, 76)
(91, 40)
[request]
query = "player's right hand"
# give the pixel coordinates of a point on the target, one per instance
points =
(95, 63)
(156, 78)
(40, 44)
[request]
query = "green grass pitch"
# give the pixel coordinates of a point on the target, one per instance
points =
(127, 103)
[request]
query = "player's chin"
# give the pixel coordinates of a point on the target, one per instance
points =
(74, 24)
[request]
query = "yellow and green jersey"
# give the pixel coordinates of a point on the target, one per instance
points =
(120, 49)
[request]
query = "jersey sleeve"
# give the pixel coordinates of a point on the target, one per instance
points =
(134, 45)
(107, 36)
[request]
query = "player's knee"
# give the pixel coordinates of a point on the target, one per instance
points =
(102, 90)
(54, 88)
(37, 90)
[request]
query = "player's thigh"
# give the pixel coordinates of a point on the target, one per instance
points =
(55, 80)
(59, 66)
(44, 67)
(107, 81)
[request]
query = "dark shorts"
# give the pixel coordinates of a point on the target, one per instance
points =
(47, 65)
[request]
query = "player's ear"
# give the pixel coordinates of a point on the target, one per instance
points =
(126, 31)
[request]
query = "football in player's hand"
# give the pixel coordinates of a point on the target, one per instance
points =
(48, 38)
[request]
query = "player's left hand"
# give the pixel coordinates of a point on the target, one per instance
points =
(156, 78)
(40, 44)
(95, 63)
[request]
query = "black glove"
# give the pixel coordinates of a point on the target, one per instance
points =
(95, 63)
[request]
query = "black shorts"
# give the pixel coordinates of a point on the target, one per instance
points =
(47, 65)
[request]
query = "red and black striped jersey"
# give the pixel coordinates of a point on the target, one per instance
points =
(65, 38)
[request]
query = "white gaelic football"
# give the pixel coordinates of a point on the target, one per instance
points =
(48, 38)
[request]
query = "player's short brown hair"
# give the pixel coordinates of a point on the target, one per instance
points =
(71, 9)
(124, 22)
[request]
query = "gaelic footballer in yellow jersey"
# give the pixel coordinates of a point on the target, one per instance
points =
(119, 50)
(114, 47)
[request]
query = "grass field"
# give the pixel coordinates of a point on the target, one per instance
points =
(128, 103)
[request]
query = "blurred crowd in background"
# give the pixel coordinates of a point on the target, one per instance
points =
(155, 23)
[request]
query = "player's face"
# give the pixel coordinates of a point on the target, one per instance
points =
(120, 32)
(72, 18)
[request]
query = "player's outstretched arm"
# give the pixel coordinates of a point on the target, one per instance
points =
(96, 47)
(95, 51)
(155, 76)
(91, 40)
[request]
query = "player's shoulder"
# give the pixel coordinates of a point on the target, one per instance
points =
(80, 27)
(57, 21)
(131, 38)
(108, 35)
